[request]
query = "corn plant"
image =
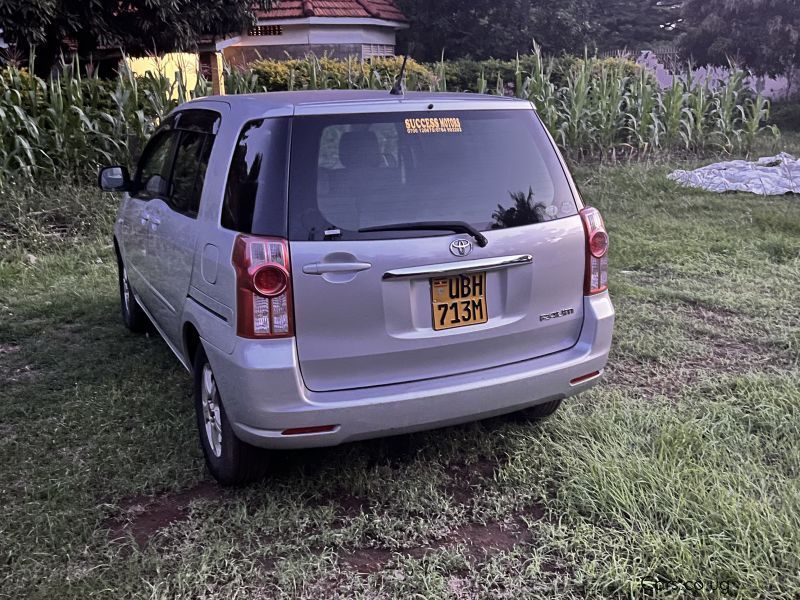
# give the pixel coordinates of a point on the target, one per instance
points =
(608, 96)
(699, 103)
(541, 90)
(675, 115)
(754, 114)
(66, 125)
(237, 81)
(440, 76)
(644, 123)
(483, 85)
(725, 114)
(576, 130)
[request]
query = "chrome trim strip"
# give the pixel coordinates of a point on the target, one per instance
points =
(468, 266)
(321, 268)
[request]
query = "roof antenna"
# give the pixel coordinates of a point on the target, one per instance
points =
(399, 88)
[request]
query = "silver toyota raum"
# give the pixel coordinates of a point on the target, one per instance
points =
(335, 266)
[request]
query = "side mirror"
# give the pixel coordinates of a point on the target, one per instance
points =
(114, 179)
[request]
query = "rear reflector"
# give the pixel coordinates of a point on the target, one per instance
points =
(306, 430)
(583, 378)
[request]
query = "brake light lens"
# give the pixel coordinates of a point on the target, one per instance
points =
(270, 281)
(596, 280)
(263, 287)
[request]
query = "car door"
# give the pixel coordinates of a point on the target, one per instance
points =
(148, 189)
(174, 224)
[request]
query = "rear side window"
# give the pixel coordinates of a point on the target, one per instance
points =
(492, 168)
(255, 194)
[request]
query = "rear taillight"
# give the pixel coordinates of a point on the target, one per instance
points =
(596, 252)
(263, 287)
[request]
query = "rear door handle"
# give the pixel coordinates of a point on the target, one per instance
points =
(320, 268)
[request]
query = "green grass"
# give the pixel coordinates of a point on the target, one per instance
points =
(684, 464)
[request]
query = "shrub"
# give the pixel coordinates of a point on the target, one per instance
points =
(463, 74)
(272, 74)
(786, 115)
(418, 76)
(328, 73)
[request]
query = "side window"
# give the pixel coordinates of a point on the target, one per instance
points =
(152, 177)
(189, 172)
(255, 194)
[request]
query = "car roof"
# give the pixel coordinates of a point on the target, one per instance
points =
(248, 106)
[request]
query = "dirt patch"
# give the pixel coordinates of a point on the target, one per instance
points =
(713, 314)
(17, 375)
(480, 541)
(463, 478)
(144, 516)
(351, 505)
(493, 538)
(643, 278)
(347, 506)
(367, 560)
(13, 373)
(651, 378)
(724, 353)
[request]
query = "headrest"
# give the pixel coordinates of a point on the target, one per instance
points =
(359, 149)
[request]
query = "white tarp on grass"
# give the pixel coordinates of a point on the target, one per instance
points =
(768, 176)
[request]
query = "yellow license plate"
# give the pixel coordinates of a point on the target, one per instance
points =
(459, 301)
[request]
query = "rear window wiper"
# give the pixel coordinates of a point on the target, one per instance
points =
(455, 226)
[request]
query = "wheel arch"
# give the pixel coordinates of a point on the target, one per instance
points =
(117, 251)
(191, 341)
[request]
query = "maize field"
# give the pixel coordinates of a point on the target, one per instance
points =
(64, 127)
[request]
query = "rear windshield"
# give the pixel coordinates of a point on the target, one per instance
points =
(491, 168)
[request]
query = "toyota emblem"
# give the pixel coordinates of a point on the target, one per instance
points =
(460, 247)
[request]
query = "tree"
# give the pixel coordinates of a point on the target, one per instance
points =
(634, 24)
(763, 35)
(493, 28)
(134, 25)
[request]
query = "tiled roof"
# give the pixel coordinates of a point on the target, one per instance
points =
(365, 9)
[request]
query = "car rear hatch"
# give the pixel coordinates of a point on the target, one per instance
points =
(380, 299)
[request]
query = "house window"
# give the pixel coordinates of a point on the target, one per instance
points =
(260, 30)
(376, 51)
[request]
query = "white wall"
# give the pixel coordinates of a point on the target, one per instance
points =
(319, 34)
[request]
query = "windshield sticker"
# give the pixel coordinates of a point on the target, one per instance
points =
(434, 125)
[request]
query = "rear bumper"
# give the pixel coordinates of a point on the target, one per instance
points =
(264, 394)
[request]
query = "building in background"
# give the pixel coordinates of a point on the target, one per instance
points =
(336, 28)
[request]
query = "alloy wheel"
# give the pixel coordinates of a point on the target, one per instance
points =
(211, 411)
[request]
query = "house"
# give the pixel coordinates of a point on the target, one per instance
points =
(336, 28)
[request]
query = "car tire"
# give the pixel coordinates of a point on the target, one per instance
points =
(231, 461)
(133, 316)
(542, 411)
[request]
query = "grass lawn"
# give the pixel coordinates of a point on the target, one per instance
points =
(683, 465)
